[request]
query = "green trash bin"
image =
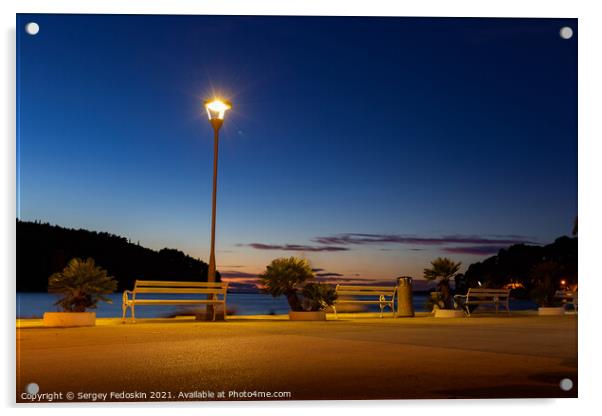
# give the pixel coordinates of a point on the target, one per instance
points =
(405, 306)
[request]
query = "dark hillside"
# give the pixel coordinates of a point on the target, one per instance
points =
(43, 249)
(515, 264)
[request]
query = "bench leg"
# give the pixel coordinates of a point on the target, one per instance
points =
(334, 309)
(133, 314)
(382, 307)
(497, 306)
(124, 309)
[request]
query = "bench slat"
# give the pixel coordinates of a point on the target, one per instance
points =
(166, 283)
(481, 302)
(344, 287)
(353, 293)
(488, 295)
(363, 301)
(174, 301)
(178, 290)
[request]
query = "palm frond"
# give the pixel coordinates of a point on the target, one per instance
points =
(83, 284)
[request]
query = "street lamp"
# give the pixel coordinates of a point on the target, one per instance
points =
(216, 109)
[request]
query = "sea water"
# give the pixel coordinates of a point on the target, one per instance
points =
(33, 305)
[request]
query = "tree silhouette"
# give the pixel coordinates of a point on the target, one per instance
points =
(284, 276)
(443, 269)
(515, 264)
(43, 249)
(545, 281)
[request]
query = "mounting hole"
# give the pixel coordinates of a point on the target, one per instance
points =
(32, 388)
(32, 28)
(566, 32)
(566, 384)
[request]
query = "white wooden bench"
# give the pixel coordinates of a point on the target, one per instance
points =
(483, 296)
(213, 290)
(382, 296)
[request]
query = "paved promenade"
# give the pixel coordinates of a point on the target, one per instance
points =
(351, 358)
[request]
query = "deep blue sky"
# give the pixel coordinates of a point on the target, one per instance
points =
(434, 136)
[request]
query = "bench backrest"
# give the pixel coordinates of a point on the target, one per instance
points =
(164, 286)
(485, 293)
(344, 290)
(565, 294)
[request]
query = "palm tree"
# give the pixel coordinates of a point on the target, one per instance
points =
(283, 276)
(443, 269)
(83, 284)
(319, 296)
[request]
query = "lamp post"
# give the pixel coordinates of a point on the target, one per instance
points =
(216, 109)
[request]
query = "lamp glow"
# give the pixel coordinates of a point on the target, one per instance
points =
(216, 108)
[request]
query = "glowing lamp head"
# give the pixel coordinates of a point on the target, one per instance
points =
(563, 282)
(216, 108)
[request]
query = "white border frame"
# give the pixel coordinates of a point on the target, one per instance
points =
(590, 207)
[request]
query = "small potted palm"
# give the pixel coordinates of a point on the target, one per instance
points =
(82, 284)
(442, 302)
(294, 278)
(545, 278)
(317, 297)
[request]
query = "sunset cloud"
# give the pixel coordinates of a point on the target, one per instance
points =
(363, 239)
(237, 274)
(295, 247)
(460, 244)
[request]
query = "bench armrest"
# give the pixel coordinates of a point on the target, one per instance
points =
(125, 295)
(460, 302)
